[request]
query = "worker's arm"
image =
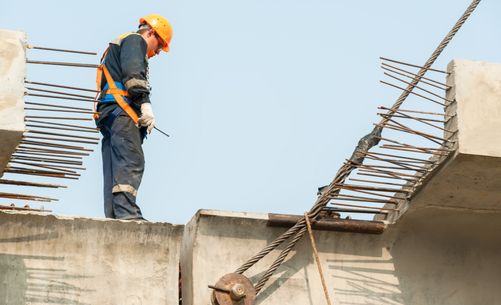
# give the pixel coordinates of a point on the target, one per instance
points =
(134, 67)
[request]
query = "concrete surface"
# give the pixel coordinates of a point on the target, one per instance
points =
(477, 92)
(12, 75)
(431, 256)
(55, 259)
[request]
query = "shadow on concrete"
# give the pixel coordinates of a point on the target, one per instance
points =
(284, 276)
(372, 285)
(22, 284)
(43, 236)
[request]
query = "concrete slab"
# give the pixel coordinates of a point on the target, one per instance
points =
(433, 257)
(55, 259)
(12, 75)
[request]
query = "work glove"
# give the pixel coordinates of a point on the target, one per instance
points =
(147, 118)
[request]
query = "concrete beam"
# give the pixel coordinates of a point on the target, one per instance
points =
(55, 259)
(431, 257)
(12, 75)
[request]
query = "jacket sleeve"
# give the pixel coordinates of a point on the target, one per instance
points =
(134, 67)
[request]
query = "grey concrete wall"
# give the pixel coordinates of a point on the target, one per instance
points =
(12, 75)
(477, 93)
(431, 256)
(55, 259)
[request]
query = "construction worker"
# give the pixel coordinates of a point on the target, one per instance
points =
(126, 113)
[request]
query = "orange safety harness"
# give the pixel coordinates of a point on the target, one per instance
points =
(117, 93)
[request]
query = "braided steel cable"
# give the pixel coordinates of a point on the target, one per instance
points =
(432, 59)
(299, 229)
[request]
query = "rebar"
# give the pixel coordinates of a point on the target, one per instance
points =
(415, 66)
(58, 106)
(61, 110)
(65, 125)
(427, 91)
(409, 91)
(56, 118)
(416, 75)
(62, 97)
(60, 50)
(69, 64)
(61, 134)
(59, 86)
(24, 183)
(26, 197)
(61, 128)
(63, 93)
(408, 76)
(364, 207)
(61, 140)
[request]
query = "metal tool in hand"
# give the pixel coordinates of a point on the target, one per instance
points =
(138, 125)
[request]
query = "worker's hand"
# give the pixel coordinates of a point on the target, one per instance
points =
(147, 118)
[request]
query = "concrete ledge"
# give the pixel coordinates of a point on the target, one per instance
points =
(433, 256)
(58, 259)
(12, 75)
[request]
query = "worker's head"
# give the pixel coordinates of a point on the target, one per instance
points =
(157, 32)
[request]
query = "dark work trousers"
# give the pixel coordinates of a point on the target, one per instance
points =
(123, 167)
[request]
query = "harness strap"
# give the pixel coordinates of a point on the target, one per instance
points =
(128, 109)
(117, 91)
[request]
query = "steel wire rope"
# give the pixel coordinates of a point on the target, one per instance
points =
(299, 229)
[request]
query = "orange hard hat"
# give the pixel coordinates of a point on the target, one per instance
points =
(161, 26)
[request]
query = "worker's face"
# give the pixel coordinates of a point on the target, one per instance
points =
(154, 42)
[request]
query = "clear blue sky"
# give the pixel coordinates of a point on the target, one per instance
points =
(263, 99)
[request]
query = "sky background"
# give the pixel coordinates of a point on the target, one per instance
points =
(263, 100)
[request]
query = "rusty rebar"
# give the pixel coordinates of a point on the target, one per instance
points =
(57, 118)
(415, 66)
(61, 110)
(414, 111)
(427, 91)
(397, 156)
(61, 140)
(59, 86)
(374, 188)
(412, 150)
(31, 142)
(61, 128)
(407, 90)
(363, 206)
(60, 50)
(35, 154)
(418, 76)
(68, 64)
(388, 177)
(408, 76)
(380, 182)
(25, 183)
(59, 92)
(406, 116)
(26, 197)
(47, 160)
(58, 106)
(61, 134)
(66, 169)
(62, 97)
(50, 151)
(36, 172)
(65, 125)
